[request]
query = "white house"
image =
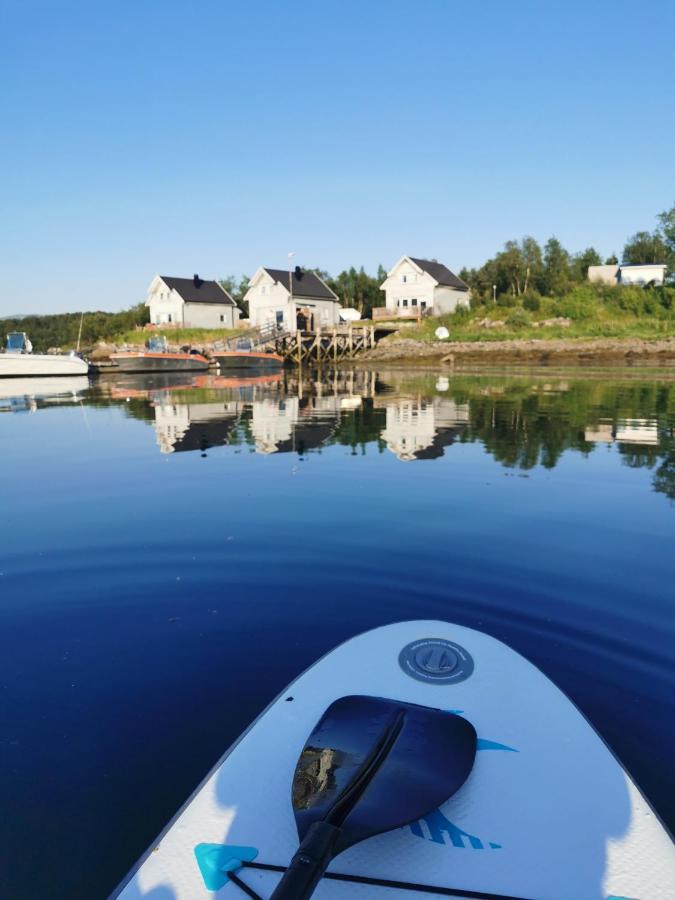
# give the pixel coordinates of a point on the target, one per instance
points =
(190, 303)
(291, 300)
(421, 285)
(640, 274)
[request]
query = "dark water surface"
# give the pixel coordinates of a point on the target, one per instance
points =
(172, 554)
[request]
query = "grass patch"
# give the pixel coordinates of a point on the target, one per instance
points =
(179, 335)
(604, 324)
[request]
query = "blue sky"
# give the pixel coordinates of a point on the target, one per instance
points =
(213, 137)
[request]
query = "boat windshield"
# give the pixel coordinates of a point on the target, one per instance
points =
(16, 341)
(244, 345)
(158, 344)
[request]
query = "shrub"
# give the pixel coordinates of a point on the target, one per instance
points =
(507, 300)
(581, 303)
(666, 297)
(532, 301)
(461, 314)
(519, 318)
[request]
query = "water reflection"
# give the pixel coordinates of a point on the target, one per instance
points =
(29, 394)
(522, 421)
(125, 552)
(422, 427)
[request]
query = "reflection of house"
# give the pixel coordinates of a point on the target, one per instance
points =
(625, 431)
(272, 423)
(648, 273)
(194, 426)
(295, 425)
(421, 428)
(190, 303)
(291, 300)
(420, 285)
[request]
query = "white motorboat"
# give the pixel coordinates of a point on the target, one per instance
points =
(19, 361)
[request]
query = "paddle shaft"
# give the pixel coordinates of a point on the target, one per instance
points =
(308, 864)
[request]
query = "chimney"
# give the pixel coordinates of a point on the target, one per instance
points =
(197, 281)
(298, 273)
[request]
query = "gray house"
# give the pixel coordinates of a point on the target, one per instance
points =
(190, 303)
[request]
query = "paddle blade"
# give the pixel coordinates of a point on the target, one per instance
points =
(372, 764)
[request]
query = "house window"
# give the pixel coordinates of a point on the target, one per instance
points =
(405, 302)
(263, 289)
(404, 279)
(222, 318)
(413, 302)
(170, 318)
(423, 304)
(398, 302)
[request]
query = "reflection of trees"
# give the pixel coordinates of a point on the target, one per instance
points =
(664, 477)
(521, 421)
(360, 427)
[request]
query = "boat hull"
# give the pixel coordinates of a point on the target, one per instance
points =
(34, 365)
(160, 362)
(230, 360)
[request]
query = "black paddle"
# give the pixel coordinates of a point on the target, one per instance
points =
(370, 765)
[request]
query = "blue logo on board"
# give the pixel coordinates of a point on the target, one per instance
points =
(441, 830)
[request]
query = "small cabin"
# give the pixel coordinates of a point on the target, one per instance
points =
(190, 303)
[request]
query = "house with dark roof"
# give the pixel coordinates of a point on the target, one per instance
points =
(415, 287)
(298, 299)
(190, 303)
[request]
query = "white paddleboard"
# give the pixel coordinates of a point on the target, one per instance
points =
(547, 813)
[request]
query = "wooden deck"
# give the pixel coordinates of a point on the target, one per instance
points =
(324, 345)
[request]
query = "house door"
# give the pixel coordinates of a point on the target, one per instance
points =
(279, 317)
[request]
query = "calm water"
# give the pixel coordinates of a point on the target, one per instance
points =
(172, 554)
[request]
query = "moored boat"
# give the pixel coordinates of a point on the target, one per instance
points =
(245, 357)
(156, 357)
(19, 361)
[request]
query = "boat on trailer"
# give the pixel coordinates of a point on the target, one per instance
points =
(19, 361)
(156, 357)
(245, 357)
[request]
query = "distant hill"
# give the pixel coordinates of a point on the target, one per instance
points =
(61, 330)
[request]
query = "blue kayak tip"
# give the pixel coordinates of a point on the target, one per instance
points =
(216, 860)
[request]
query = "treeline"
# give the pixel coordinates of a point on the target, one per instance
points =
(522, 268)
(61, 330)
(525, 267)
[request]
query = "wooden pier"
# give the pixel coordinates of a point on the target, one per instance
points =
(325, 345)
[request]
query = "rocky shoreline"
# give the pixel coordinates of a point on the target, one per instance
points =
(620, 350)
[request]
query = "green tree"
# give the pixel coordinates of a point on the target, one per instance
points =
(581, 261)
(556, 276)
(357, 289)
(645, 247)
(237, 290)
(667, 234)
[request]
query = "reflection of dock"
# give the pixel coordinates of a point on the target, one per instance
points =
(297, 412)
(624, 431)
